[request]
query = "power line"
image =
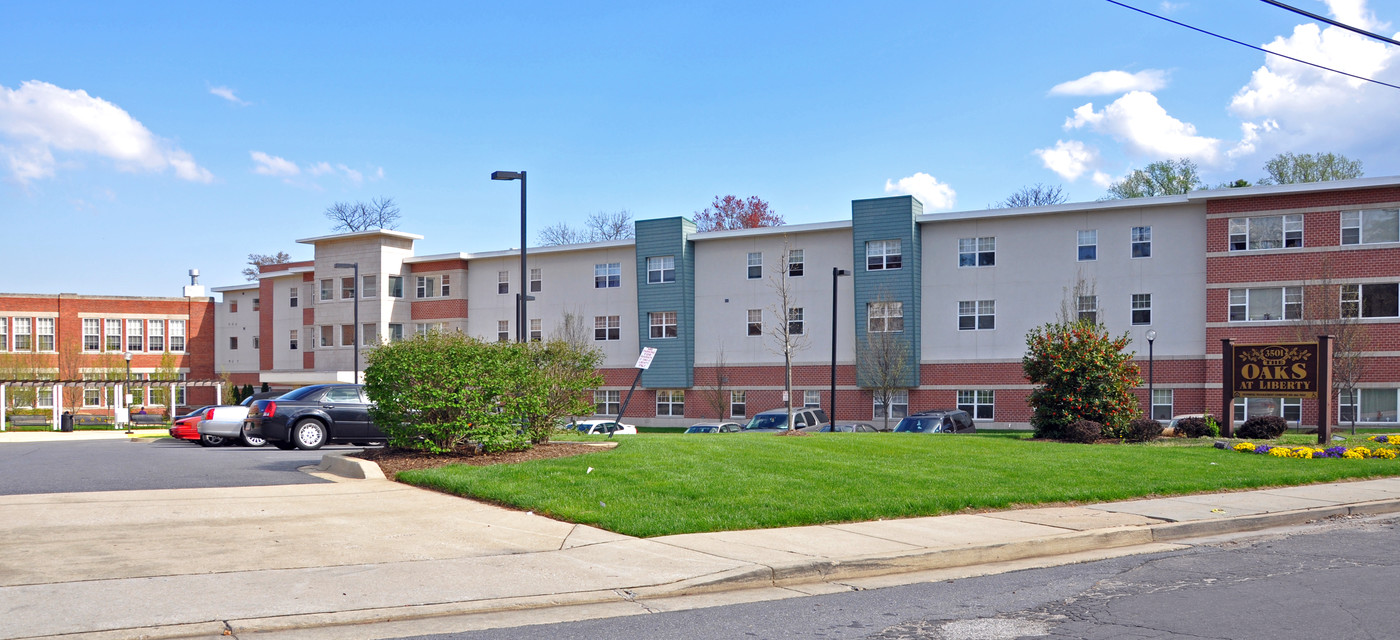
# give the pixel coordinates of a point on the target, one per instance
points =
(1332, 22)
(1245, 44)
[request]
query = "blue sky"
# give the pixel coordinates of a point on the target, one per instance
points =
(138, 140)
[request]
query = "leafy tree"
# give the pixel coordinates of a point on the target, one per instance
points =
(733, 212)
(256, 260)
(1080, 372)
(1288, 168)
(561, 376)
(1037, 195)
(1237, 184)
(379, 213)
(598, 227)
(1164, 178)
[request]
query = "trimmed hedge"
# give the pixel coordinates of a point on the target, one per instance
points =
(1082, 431)
(1143, 430)
(1197, 428)
(1262, 428)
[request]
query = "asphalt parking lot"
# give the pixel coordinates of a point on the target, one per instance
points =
(165, 463)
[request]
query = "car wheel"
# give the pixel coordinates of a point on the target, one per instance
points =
(309, 434)
(284, 445)
(250, 440)
(211, 441)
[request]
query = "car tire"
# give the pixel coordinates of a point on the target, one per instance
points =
(248, 440)
(309, 435)
(284, 445)
(211, 441)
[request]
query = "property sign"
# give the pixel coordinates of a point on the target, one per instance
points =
(1288, 370)
(644, 360)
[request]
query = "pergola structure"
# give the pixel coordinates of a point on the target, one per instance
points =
(120, 418)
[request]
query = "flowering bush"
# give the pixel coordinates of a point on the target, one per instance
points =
(1390, 439)
(1354, 453)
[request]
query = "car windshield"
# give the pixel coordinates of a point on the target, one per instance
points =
(919, 425)
(775, 421)
(301, 394)
(700, 430)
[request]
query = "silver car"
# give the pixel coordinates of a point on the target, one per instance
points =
(224, 423)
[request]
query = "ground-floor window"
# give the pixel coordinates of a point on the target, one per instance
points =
(1368, 405)
(92, 397)
(1290, 408)
(44, 397)
(899, 405)
(737, 405)
(1162, 404)
(607, 403)
(811, 399)
(670, 403)
(977, 403)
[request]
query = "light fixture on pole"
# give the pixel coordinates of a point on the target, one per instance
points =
(522, 298)
(1151, 337)
(355, 330)
(835, 273)
(126, 391)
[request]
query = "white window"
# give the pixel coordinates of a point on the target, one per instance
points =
(369, 334)
(795, 264)
(536, 280)
(899, 405)
(1088, 245)
(292, 296)
(1266, 232)
(92, 334)
(369, 286)
(1368, 405)
(395, 332)
(755, 322)
(1291, 409)
(134, 338)
(536, 330)
(92, 397)
(233, 343)
(292, 340)
(607, 328)
(326, 286)
(977, 315)
(427, 286)
(1142, 308)
(661, 269)
(24, 334)
(1273, 303)
(424, 328)
(607, 403)
(347, 335)
(811, 399)
(884, 317)
(1371, 226)
(1162, 404)
(737, 406)
(978, 403)
(256, 303)
(113, 335)
(977, 252)
(502, 331)
(1142, 242)
(502, 282)
(795, 324)
(446, 285)
(395, 286)
(255, 342)
(177, 335)
(44, 334)
(755, 265)
(662, 324)
(44, 397)
(670, 403)
(883, 255)
(4, 334)
(607, 275)
(347, 288)
(155, 330)
(1371, 300)
(1088, 309)
(327, 335)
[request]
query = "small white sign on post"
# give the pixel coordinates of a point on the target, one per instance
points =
(644, 360)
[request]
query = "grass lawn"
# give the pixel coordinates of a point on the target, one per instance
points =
(653, 485)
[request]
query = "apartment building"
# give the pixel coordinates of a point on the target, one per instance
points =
(960, 290)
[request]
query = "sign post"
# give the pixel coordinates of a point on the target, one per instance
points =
(1282, 370)
(643, 363)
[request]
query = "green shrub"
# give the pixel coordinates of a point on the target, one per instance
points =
(1262, 428)
(1082, 431)
(1197, 427)
(1080, 372)
(1143, 430)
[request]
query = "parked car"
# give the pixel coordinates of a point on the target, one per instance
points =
(937, 421)
(309, 417)
(849, 427)
(186, 427)
(224, 423)
(713, 427)
(599, 426)
(775, 420)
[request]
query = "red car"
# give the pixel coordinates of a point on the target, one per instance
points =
(186, 427)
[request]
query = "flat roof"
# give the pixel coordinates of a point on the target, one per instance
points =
(770, 231)
(235, 287)
(355, 235)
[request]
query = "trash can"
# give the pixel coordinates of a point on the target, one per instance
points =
(65, 422)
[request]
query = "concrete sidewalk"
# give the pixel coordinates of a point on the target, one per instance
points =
(289, 561)
(82, 434)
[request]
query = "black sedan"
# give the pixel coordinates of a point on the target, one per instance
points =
(310, 417)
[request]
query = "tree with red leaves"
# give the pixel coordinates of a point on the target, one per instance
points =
(733, 212)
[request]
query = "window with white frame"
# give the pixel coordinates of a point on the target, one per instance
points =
(607, 328)
(369, 334)
(1162, 404)
(1371, 226)
(395, 286)
(92, 397)
(884, 317)
(738, 408)
(135, 339)
(292, 296)
(670, 402)
(536, 330)
(395, 332)
(1142, 242)
(607, 403)
(181, 390)
(662, 324)
(795, 325)
(1266, 232)
(44, 334)
(899, 405)
(1291, 409)
(811, 399)
(977, 315)
(114, 335)
(755, 265)
(607, 275)
(1088, 245)
(92, 334)
(661, 269)
(1142, 308)
(977, 252)
(536, 279)
(755, 322)
(233, 306)
(292, 340)
(978, 403)
(255, 342)
(256, 304)
(347, 335)
(1088, 309)
(347, 288)
(427, 286)
(4, 334)
(177, 336)
(327, 285)
(327, 335)
(502, 331)
(883, 255)
(503, 282)
(43, 397)
(369, 286)
(795, 263)
(1264, 304)
(1368, 405)
(1371, 300)
(425, 328)
(446, 285)
(155, 335)
(24, 334)
(233, 343)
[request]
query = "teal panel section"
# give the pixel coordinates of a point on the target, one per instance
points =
(888, 219)
(674, 366)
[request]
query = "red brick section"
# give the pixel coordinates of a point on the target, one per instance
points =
(265, 337)
(273, 268)
(1349, 199)
(438, 265)
(308, 316)
(308, 359)
(308, 277)
(438, 309)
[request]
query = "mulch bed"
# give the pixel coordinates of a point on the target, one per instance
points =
(394, 460)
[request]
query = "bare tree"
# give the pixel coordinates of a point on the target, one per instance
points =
(256, 260)
(379, 213)
(1324, 313)
(557, 234)
(1037, 195)
(574, 330)
(1080, 303)
(716, 389)
(884, 351)
(70, 361)
(598, 227)
(788, 333)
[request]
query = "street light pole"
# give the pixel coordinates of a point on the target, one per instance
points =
(355, 331)
(524, 276)
(1151, 338)
(835, 273)
(126, 389)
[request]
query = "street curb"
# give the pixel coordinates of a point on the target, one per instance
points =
(345, 466)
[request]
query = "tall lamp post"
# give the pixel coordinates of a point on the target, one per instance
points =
(126, 390)
(1151, 338)
(355, 332)
(522, 298)
(835, 273)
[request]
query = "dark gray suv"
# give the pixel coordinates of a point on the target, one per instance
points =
(775, 420)
(937, 421)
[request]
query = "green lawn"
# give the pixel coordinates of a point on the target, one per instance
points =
(654, 485)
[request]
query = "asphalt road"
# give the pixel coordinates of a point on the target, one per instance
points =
(1333, 580)
(117, 465)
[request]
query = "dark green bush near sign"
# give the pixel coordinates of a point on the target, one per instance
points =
(1082, 431)
(1197, 428)
(1143, 430)
(1262, 428)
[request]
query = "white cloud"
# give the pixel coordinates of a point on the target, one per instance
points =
(274, 165)
(934, 194)
(1102, 179)
(1068, 158)
(1101, 83)
(1146, 129)
(1354, 13)
(39, 118)
(228, 94)
(1170, 7)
